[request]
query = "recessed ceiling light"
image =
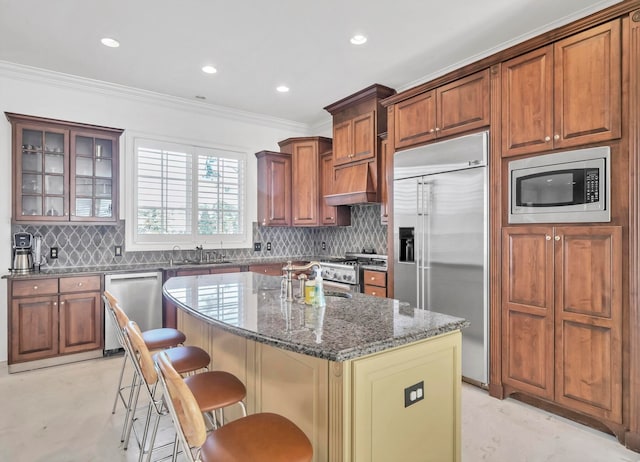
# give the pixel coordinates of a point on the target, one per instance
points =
(110, 42)
(358, 39)
(209, 70)
(282, 89)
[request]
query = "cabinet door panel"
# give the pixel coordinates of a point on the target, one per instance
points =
(527, 103)
(415, 120)
(274, 189)
(364, 139)
(527, 293)
(588, 302)
(34, 328)
(80, 322)
(463, 105)
(588, 86)
(305, 164)
(342, 142)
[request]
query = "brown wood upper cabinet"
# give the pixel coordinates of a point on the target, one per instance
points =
(565, 94)
(63, 171)
(274, 188)
(562, 316)
(457, 107)
(354, 139)
(305, 174)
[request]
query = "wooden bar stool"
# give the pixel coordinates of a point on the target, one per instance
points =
(155, 339)
(263, 437)
(213, 389)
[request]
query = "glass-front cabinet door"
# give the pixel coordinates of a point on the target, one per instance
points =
(41, 174)
(94, 176)
(63, 171)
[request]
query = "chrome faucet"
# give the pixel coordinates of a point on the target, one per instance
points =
(289, 269)
(172, 256)
(200, 253)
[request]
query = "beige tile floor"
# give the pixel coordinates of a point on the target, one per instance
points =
(63, 414)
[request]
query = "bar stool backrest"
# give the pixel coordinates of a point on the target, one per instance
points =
(182, 405)
(114, 318)
(110, 297)
(141, 353)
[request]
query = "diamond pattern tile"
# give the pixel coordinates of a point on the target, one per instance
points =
(83, 245)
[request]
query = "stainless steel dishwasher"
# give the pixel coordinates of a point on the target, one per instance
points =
(140, 295)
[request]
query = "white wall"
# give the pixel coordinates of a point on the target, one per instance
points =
(31, 91)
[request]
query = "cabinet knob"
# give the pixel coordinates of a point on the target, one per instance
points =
(61, 303)
(437, 129)
(373, 293)
(55, 303)
(372, 278)
(79, 284)
(547, 237)
(547, 138)
(432, 130)
(556, 137)
(35, 287)
(557, 238)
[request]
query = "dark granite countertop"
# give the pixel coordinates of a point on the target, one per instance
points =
(249, 304)
(159, 266)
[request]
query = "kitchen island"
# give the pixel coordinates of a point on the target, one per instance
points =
(366, 378)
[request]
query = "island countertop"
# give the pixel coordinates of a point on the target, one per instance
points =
(249, 305)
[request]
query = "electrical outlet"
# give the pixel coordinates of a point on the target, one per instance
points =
(324, 245)
(53, 252)
(269, 246)
(257, 246)
(413, 394)
(117, 251)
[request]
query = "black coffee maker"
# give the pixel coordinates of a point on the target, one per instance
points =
(22, 253)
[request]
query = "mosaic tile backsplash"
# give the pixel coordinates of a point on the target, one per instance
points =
(84, 245)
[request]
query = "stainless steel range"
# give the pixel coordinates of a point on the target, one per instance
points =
(349, 269)
(344, 272)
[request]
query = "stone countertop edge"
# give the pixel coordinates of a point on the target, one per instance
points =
(160, 266)
(443, 324)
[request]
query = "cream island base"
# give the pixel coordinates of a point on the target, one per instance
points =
(352, 410)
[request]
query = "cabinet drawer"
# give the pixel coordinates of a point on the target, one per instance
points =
(375, 278)
(375, 291)
(80, 284)
(35, 287)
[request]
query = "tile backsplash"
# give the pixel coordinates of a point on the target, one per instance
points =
(93, 245)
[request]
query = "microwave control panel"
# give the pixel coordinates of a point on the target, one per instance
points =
(592, 187)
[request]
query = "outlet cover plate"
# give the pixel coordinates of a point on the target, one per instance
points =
(53, 252)
(410, 399)
(269, 246)
(257, 246)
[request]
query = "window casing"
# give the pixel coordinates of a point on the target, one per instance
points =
(186, 195)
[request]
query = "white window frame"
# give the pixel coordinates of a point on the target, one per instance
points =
(135, 242)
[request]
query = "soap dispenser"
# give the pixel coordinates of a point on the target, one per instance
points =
(318, 299)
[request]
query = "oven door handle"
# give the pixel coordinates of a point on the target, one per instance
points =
(337, 285)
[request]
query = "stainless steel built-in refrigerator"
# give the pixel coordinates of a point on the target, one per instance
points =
(440, 220)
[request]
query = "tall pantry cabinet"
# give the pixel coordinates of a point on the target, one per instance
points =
(562, 315)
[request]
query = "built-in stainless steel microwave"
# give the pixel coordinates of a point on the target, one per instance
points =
(571, 186)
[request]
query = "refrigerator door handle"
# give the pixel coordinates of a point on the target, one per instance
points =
(418, 245)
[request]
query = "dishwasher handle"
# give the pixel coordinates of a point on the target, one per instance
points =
(130, 276)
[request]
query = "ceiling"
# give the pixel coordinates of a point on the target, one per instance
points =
(258, 45)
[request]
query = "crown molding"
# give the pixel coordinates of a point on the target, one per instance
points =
(23, 72)
(515, 41)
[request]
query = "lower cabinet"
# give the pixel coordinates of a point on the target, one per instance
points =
(54, 316)
(562, 316)
(375, 283)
